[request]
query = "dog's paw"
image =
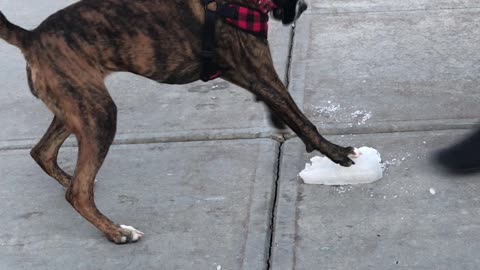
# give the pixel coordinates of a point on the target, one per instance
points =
(126, 234)
(130, 234)
(343, 156)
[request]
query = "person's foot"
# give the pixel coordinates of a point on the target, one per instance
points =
(462, 157)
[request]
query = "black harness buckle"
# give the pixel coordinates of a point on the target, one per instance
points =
(210, 70)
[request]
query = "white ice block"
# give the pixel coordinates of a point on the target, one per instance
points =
(367, 169)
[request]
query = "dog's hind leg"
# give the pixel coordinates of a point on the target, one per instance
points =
(92, 118)
(46, 151)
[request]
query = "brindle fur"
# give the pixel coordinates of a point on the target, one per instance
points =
(71, 52)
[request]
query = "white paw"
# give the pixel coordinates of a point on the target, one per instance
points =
(132, 234)
(356, 153)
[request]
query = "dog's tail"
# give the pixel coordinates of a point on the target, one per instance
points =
(13, 34)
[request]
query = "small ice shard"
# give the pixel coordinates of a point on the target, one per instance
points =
(367, 169)
(433, 191)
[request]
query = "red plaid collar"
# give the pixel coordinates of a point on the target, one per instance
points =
(249, 20)
(252, 20)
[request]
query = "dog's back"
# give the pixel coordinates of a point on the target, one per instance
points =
(118, 35)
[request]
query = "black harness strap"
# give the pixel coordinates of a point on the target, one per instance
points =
(213, 9)
(210, 70)
(227, 12)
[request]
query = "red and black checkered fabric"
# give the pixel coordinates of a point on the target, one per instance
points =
(250, 20)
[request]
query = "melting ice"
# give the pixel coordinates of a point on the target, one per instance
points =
(367, 169)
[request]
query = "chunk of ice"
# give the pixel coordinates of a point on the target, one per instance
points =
(367, 169)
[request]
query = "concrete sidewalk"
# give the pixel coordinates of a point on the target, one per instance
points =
(396, 223)
(202, 205)
(195, 167)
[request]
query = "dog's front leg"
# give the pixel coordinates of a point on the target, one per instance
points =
(266, 85)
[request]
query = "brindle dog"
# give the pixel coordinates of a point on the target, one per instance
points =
(71, 52)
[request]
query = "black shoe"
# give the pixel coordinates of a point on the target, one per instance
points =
(463, 157)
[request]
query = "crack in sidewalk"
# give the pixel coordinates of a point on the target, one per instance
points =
(274, 205)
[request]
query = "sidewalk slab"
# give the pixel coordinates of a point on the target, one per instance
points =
(337, 6)
(395, 223)
(202, 205)
(380, 72)
(144, 106)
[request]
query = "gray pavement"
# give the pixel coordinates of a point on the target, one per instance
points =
(388, 71)
(395, 223)
(195, 167)
(202, 205)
